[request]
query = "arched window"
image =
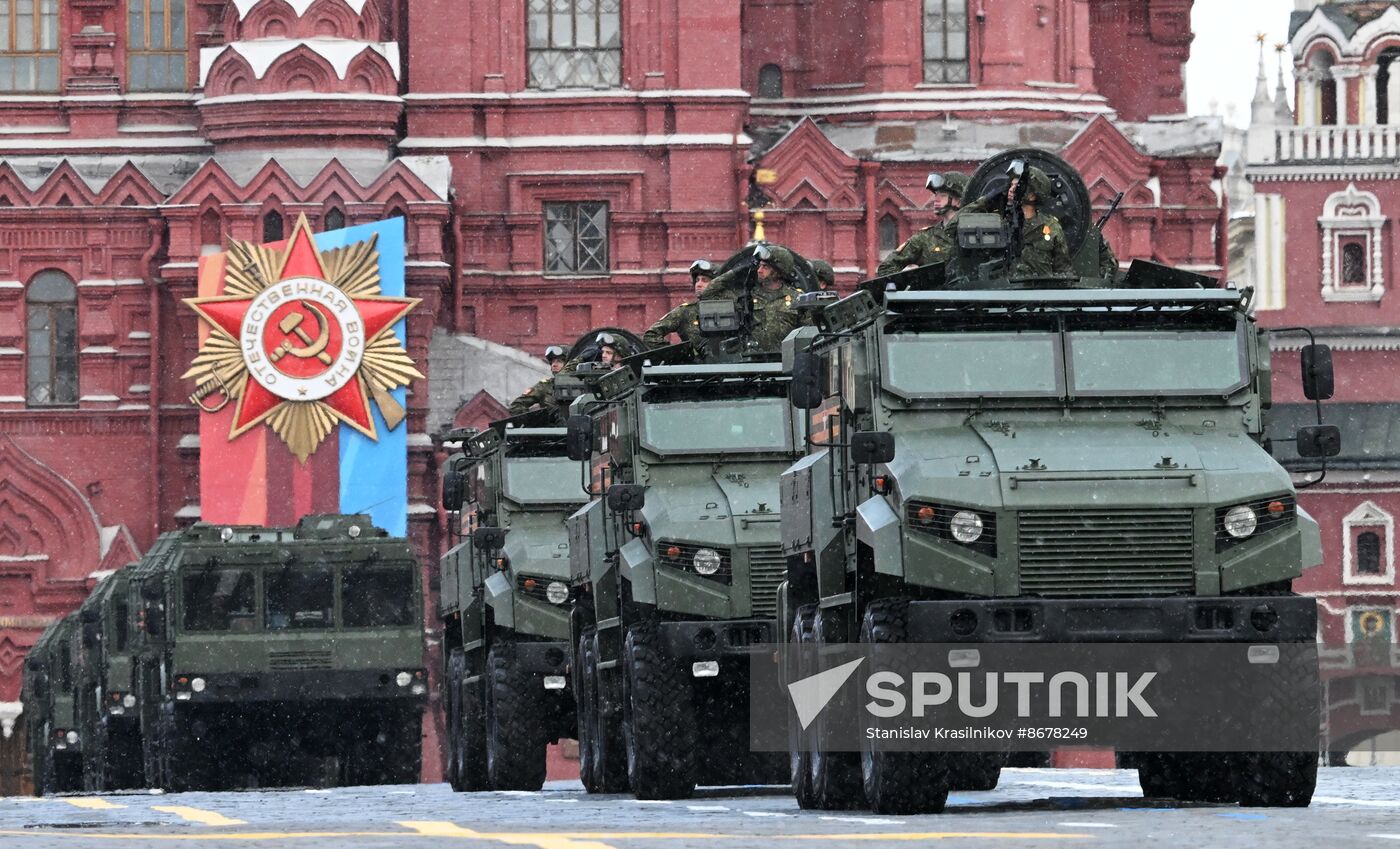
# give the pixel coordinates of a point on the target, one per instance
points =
(1321, 66)
(770, 81)
(1353, 243)
(28, 45)
(1354, 264)
(156, 44)
(335, 219)
(945, 41)
(1388, 86)
(272, 226)
(1368, 553)
(574, 43)
(889, 234)
(52, 354)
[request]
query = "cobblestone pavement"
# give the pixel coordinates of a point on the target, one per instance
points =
(1031, 807)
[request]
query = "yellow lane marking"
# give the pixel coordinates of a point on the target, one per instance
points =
(436, 828)
(91, 803)
(196, 815)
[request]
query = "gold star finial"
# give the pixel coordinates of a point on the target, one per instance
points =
(1261, 37)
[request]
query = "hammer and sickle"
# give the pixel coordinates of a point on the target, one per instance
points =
(291, 326)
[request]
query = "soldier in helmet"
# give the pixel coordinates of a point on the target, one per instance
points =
(684, 320)
(773, 296)
(606, 349)
(934, 243)
(825, 274)
(1044, 249)
(542, 393)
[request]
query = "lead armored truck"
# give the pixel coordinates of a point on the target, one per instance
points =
(677, 564)
(505, 604)
(288, 655)
(1049, 461)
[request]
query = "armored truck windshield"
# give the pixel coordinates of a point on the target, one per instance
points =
(531, 481)
(753, 425)
(296, 597)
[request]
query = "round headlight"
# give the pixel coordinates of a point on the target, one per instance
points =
(556, 592)
(1240, 522)
(707, 561)
(226, 534)
(402, 679)
(966, 526)
(353, 531)
(71, 737)
(128, 701)
(197, 684)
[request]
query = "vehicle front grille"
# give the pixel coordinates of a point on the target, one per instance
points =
(767, 569)
(298, 660)
(1106, 552)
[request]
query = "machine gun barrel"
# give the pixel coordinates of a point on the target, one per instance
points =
(1112, 208)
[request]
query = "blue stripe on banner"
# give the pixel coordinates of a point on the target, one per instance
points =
(374, 475)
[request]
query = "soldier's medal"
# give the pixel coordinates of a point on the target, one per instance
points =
(787, 300)
(302, 340)
(1046, 231)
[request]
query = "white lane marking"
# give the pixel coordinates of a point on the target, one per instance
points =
(1367, 803)
(563, 801)
(1079, 785)
(402, 793)
(518, 792)
(765, 814)
(1087, 824)
(707, 807)
(864, 820)
(650, 802)
(316, 791)
(1385, 836)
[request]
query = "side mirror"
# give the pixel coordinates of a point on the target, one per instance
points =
(578, 441)
(1319, 441)
(453, 489)
(89, 633)
(871, 447)
(488, 539)
(150, 591)
(1317, 373)
(155, 621)
(88, 616)
(805, 390)
(625, 497)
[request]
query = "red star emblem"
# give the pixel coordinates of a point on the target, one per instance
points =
(303, 339)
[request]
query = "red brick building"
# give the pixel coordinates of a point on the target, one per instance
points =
(1327, 193)
(559, 163)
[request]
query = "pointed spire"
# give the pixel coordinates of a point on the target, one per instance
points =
(1283, 112)
(1262, 107)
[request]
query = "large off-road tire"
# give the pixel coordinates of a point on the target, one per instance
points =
(472, 733)
(835, 776)
(452, 713)
(1157, 775)
(516, 736)
(799, 667)
(975, 770)
(602, 757)
(658, 719)
(1277, 779)
(186, 763)
(899, 782)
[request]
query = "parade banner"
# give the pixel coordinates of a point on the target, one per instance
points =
(302, 375)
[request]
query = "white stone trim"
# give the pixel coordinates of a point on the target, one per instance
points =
(1368, 515)
(298, 6)
(339, 52)
(1270, 233)
(578, 141)
(578, 94)
(189, 511)
(1352, 214)
(68, 144)
(356, 96)
(99, 349)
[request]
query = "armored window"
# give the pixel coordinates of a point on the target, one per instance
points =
(945, 41)
(28, 45)
(378, 597)
(1354, 264)
(1368, 553)
(576, 238)
(574, 43)
(300, 597)
(155, 46)
(272, 226)
(770, 81)
(889, 235)
(218, 600)
(52, 305)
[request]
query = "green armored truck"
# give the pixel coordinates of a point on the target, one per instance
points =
(55, 742)
(279, 655)
(505, 603)
(105, 691)
(1043, 460)
(676, 561)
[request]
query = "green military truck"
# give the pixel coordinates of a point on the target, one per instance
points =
(505, 601)
(1043, 461)
(274, 656)
(55, 743)
(676, 563)
(104, 688)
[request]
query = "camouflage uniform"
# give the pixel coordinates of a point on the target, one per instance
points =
(1108, 261)
(684, 321)
(929, 245)
(1044, 249)
(773, 314)
(539, 395)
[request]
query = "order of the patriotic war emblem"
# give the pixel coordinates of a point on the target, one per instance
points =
(302, 340)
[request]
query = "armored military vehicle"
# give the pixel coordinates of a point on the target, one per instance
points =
(104, 688)
(505, 603)
(1043, 460)
(279, 655)
(55, 743)
(677, 565)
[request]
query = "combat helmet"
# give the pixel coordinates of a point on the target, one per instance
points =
(952, 182)
(779, 258)
(826, 275)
